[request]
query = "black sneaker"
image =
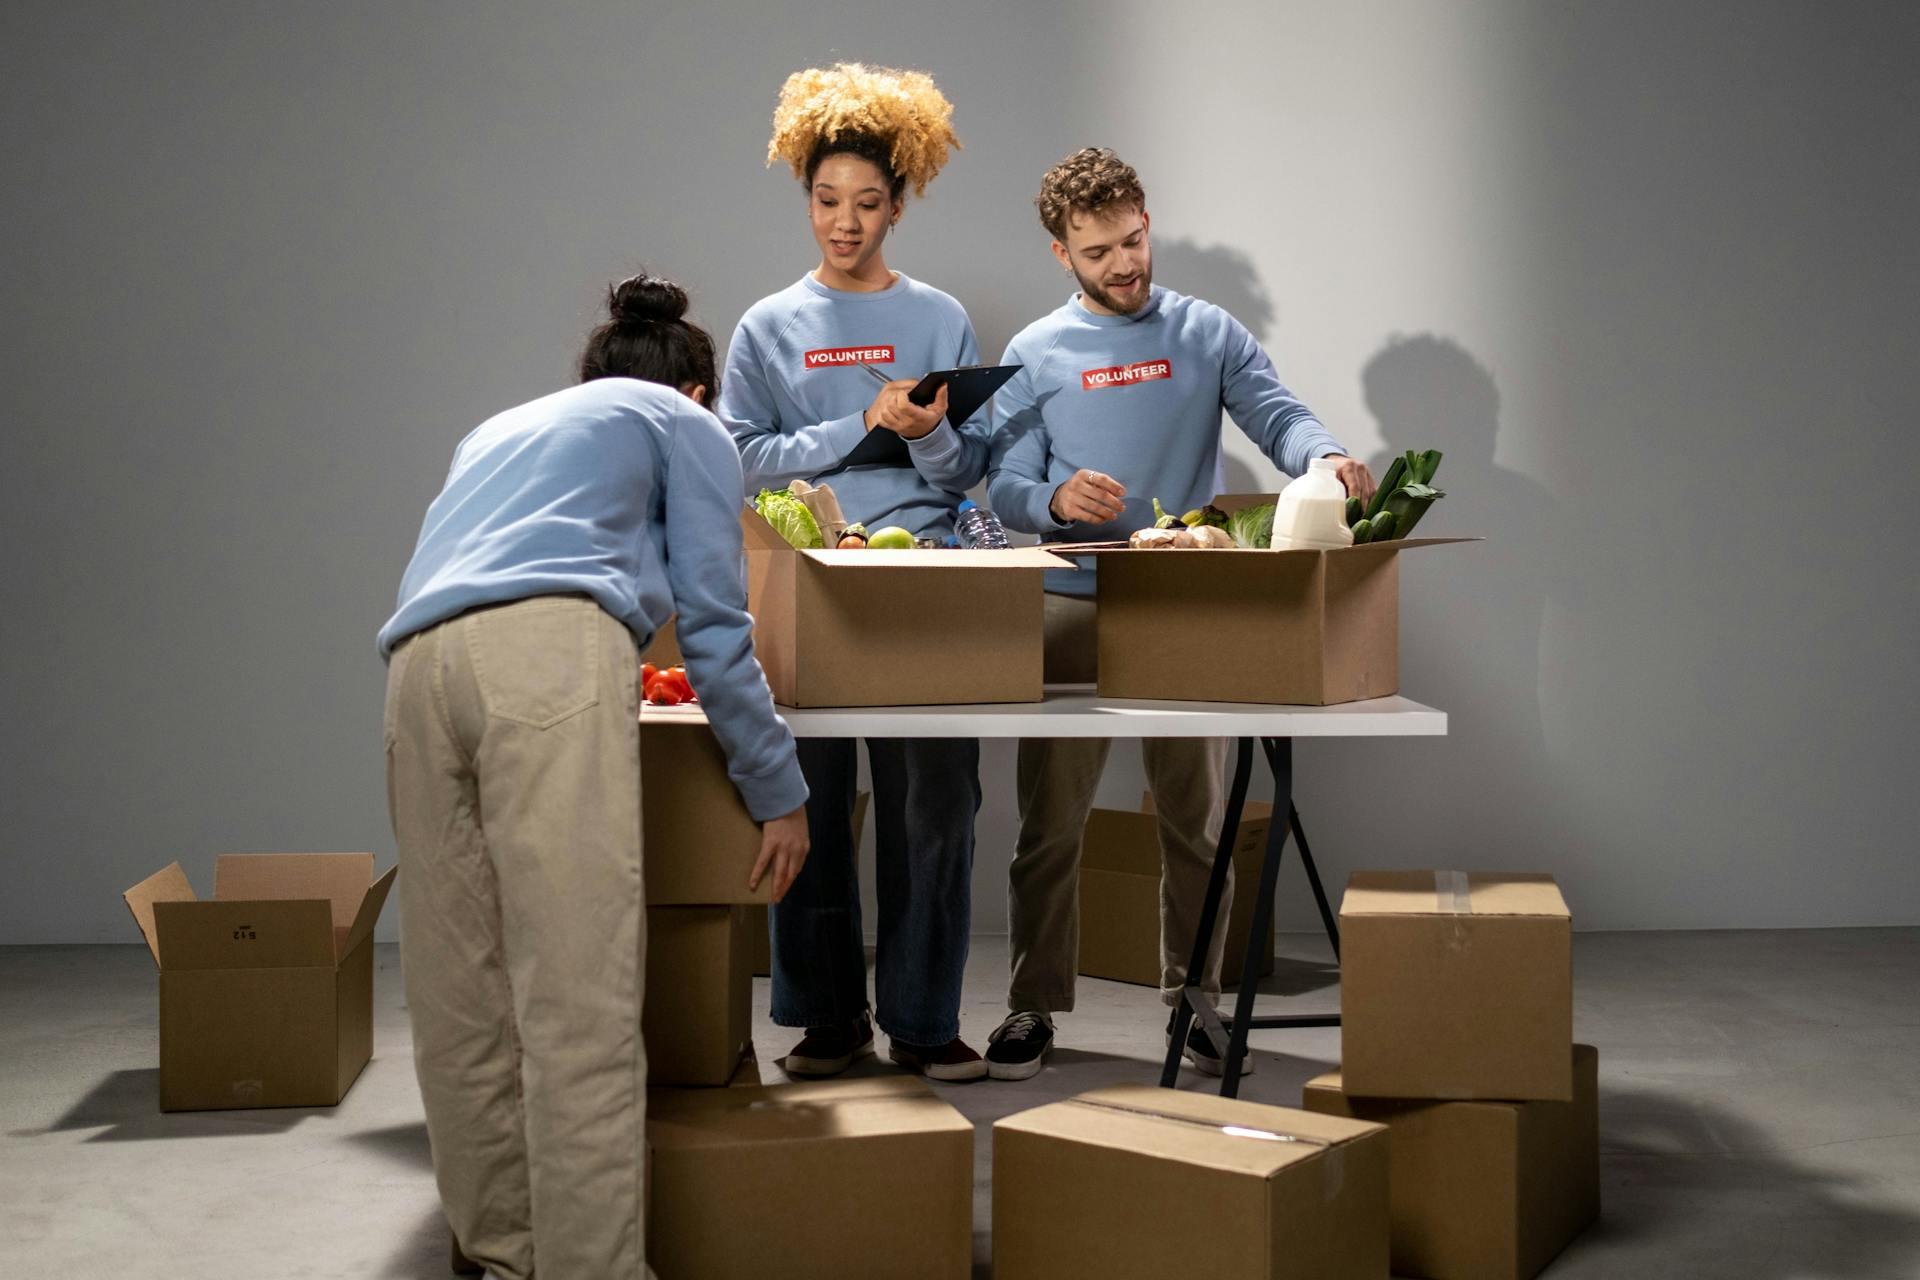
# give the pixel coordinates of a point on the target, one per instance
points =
(1018, 1047)
(827, 1051)
(1200, 1052)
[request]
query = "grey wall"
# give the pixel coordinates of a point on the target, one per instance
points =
(1644, 273)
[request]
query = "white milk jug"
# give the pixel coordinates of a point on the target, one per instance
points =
(1311, 513)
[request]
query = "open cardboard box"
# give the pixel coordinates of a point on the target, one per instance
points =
(1245, 625)
(895, 628)
(1120, 894)
(266, 990)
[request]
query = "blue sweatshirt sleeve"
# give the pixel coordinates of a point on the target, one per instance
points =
(1261, 406)
(770, 457)
(704, 558)
(950, 457)
(1018, 487)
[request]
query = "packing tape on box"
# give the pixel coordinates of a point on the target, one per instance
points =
(1451, 887)
(1334, 1164)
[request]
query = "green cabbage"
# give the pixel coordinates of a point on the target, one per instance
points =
(789, 517)
(1252, 526)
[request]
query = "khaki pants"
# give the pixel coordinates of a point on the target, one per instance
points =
(513, 776)
(1057, 778)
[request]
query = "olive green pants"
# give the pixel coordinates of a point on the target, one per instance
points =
(1056, 781)
(513, 777)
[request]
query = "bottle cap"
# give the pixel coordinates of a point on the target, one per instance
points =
(1328, 464)
(968, 504)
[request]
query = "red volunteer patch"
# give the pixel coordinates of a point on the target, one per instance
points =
(828, 357)
(1125, 375)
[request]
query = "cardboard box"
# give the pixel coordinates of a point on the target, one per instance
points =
(699, 842)
(1456, 985)
(1120, 894)
(1137, 1183)
(895, 628)
(870, 1178)
(698, 1012)
(1312, 627)
(1484, 1190)
(266, 990)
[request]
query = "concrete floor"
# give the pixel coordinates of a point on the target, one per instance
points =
(1760, 1115)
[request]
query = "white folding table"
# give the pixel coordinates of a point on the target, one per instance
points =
(1076, 711)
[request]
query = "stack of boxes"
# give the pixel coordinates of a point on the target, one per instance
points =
(868, 1177)
(1457, 1035)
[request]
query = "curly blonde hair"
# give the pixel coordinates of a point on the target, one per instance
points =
(904, 111)
(1090, 181)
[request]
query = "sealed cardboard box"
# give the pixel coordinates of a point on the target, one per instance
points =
(1137, 1183)
(698, 1012)
(870, 1178)
(895, 628)
(266, 990)
(1120, 894)
(1484, 1190)
(1455, 985)
(1312, 627)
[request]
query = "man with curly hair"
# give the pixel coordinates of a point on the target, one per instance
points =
(1119, 402)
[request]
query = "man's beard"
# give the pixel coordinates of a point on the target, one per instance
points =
(1107, 300)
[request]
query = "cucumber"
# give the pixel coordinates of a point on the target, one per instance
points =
(1356, 511)
(1396, 474)
(1362, 531)
(1382, 527)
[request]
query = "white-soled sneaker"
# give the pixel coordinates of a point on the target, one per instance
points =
(1019, 1046)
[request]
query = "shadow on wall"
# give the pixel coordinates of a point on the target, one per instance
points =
(1227, 278)
(1481, 663)
(1692, 1190)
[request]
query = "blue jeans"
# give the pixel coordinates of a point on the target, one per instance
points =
(926, 792)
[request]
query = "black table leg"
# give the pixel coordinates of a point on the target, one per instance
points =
(1193, 1001)
(1229, 1037)
(1279, 753)
(1313, 878)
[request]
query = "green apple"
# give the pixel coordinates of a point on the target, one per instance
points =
(891, 538)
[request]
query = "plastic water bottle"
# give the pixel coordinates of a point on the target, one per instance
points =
(1312, 511)
(977, 529)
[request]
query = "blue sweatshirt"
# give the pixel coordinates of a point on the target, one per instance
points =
(1139, 398)
(629, 493)
(795, 397)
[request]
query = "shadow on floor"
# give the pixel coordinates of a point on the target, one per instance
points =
(1713, 1195)
(125, 1107)
(401, 1143)
(1292, 977)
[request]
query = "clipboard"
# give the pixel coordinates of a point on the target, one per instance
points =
(967, 390)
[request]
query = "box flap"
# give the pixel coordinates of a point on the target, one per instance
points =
(363, 921)
(1012, 558)
(1429, 893)
(830, 1109)
(339, 878)
(758, 534)
(244, 935)
(169, 884)
(1227, 1134)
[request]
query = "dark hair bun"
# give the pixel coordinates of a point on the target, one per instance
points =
(643, 297)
